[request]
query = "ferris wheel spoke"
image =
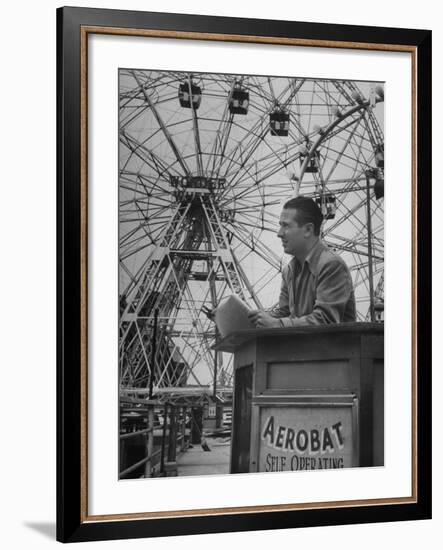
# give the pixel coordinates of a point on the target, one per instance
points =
(221, 143)
(349, 152)
(346, 162)
(342, 88)
(266, 168)
(158, 216)
(266, 278)
(153, 204)
(341, 152)
(130, 247)
(222, 134)
(198, 150)
(165, 130)
(254, 245)
(127, 98)
(351, 247)
(230, 172)
(133, 114)
(148, 157)
(128, 272)
(260, 181)
(259, 133)
(133, 181)
(254, 226)
(362, 154)
(332, 98)
(124, 240)
(349, 215)
(243, 151)
(137, 250)
(142, 226)
(257, 136)
(132, 190)
(148, 161)
(260, 222)
(260, 93)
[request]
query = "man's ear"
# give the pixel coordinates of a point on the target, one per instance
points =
(309, 229)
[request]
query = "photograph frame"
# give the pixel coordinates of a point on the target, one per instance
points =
(73, 27)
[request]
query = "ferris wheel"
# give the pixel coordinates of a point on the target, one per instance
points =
(205, 163)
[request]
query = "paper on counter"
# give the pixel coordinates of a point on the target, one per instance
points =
(231, 315)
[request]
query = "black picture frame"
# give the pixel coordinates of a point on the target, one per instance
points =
(72, 518)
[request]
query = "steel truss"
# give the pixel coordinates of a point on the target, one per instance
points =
(201, 183)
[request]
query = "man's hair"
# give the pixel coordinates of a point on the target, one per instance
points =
(307, 212)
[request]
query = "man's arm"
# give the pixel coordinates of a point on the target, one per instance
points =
(334, 288)
(272, 318)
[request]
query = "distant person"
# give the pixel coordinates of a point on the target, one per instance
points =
(316, 284)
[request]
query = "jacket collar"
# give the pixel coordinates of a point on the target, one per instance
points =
(311, 259)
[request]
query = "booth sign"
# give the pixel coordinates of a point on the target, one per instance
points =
(314, 437)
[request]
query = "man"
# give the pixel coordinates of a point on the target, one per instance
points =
(316, 285)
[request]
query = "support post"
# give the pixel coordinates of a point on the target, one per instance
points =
(183, 430)
(172, 440)
(165, 421)
(154, 351)
(150, 441)
(368, 174)
(215, 363)
(171, 464)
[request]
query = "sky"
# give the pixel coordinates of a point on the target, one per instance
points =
(255, 171)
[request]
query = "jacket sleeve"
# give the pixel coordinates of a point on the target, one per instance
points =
(334, 288)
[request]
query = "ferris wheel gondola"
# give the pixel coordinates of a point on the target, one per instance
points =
(204, 164)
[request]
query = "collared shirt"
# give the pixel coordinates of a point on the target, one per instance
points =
(317, 292)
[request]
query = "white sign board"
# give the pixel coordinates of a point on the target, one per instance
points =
(314, 437)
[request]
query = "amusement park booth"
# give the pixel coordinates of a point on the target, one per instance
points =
(307, 398)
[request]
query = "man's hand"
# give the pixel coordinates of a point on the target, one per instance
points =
(261, 319)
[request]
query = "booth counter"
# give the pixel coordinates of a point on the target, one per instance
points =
(307, 398)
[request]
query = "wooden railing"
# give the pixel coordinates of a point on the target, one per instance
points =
(152, 422)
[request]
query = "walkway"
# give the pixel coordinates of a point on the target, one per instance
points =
(197, 462)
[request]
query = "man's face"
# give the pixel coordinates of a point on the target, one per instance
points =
(293, 236)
